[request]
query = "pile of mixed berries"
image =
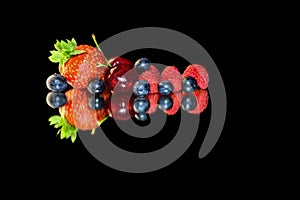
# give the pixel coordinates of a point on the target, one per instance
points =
(116, 88)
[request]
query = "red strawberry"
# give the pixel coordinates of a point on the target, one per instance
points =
(152, 76)
(172, 74)
(199, 73)
(120, 106)
(76, 114)
(202, 101)
(121, 76)
(153, 98)
(78, 64)
(176, 105)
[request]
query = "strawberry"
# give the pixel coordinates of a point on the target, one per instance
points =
(76, 115)
(152, 76)
(199, 73)
(172, 74)
(202, 101)
(121, 75)
(78, 64)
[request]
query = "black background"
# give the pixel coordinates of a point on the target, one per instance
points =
(53, 151)
(46, 159)
(243, 40)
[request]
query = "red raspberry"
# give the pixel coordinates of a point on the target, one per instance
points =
(176, 104)
(152, 76)
(199, 73)
(172, 74)
(153, 98)
(202, 101)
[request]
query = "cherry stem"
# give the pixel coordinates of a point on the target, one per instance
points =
(97, 45)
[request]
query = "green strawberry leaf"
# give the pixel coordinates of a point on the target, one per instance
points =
(63, 51)
(62, 135)
(76, 52)
(65, 129)
(54, 119)
(55, 56)
(74, 43)
(58, 46)
(73, 137)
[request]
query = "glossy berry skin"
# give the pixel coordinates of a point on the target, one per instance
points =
(96, 86)
(120, 106)
(117, 60)
(96, 102)
(165, 88)
(141, 105)
(199, 73)
(165, 102)
(141, 88)
(56, 99)
(56, 83)
(188, 102)
(142, 65)
(121, 76)
(141, 116)
(189, 84)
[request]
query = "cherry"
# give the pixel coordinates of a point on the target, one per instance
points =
(121, 76)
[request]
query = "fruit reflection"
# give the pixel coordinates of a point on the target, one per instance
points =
(86, 111)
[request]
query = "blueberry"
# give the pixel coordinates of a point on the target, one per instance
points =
(165, 102)
(142, 64)
(189, 84)
(141, 116)
(165, 87)
(188, 102)
(56, 99)
(141, 105)
(96, 102)
(96, 86)
(141, 88)
(56, 83)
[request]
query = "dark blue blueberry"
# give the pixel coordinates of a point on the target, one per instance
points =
(141, 116)
(141, 88)
(141, 104)
(165, 88)
(56, 99)
(189, 84)
(96, 102)
(56, 83)
(96, 86)
(142, 64)
(188, 102)
(165, 102)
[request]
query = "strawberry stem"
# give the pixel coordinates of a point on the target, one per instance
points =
(97, 45)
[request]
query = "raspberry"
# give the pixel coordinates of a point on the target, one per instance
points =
(199, 73)
(202, 101)
(172, 74)
(152, 76)
(153, 98)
